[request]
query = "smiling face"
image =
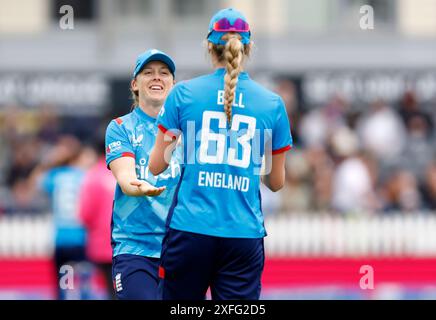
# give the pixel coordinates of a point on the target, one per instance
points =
(153, 84)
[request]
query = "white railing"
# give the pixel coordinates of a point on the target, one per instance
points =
(301, 235)
(334, 236)
(26, 236)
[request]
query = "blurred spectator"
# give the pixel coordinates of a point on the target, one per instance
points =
(24, 158)
(410, 108)
(353, 190)
(382, 132)
(23, 199)
(87, 158)
(322, 168)
(295, 195)
(286, 89)
(95, 209)
(314, 129)
(316, 126)
(50, 126)
(308, 180)
(429, 188)
(402, 193)
(18, 122)
(419, 149)
(322, 180)
(81, 127)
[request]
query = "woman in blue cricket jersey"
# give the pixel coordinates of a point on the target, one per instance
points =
(141, 200)
(229, 123)
(60, 176)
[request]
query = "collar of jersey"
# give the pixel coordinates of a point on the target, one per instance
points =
(222, 71)
(143, 115)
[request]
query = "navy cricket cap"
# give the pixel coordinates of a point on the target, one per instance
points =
(154, 55)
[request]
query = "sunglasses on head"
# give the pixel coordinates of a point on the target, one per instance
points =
(224, 25)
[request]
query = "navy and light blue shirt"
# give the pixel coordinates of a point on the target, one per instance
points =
(138, 223)
(219, 190)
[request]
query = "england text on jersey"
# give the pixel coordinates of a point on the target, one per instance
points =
(223, 180)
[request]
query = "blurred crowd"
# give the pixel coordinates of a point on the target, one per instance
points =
(56, 164)
(359, 158)
(375, 158)
(34, 141)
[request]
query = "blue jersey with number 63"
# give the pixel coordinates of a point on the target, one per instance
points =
(218, 193)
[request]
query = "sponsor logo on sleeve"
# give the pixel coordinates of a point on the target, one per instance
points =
(114, 146)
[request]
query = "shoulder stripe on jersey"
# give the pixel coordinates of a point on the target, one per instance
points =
(165, 131)
(161, 272)
(127, 154)
(119, 120)
(288, 147)
(124, 154)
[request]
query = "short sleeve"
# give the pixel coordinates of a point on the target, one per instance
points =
(117, 142)
(282, 137)
(168, 119)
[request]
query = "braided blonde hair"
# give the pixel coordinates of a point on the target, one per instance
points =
(232, 53)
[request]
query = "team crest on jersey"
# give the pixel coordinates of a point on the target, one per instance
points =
(137, 141)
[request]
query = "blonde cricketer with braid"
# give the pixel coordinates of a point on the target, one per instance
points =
(227, 124)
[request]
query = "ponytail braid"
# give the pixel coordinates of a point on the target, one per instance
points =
(232, 54)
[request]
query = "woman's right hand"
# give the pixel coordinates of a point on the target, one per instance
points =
(147, 189)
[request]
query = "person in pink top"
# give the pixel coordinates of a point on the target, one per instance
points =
(95, 209)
